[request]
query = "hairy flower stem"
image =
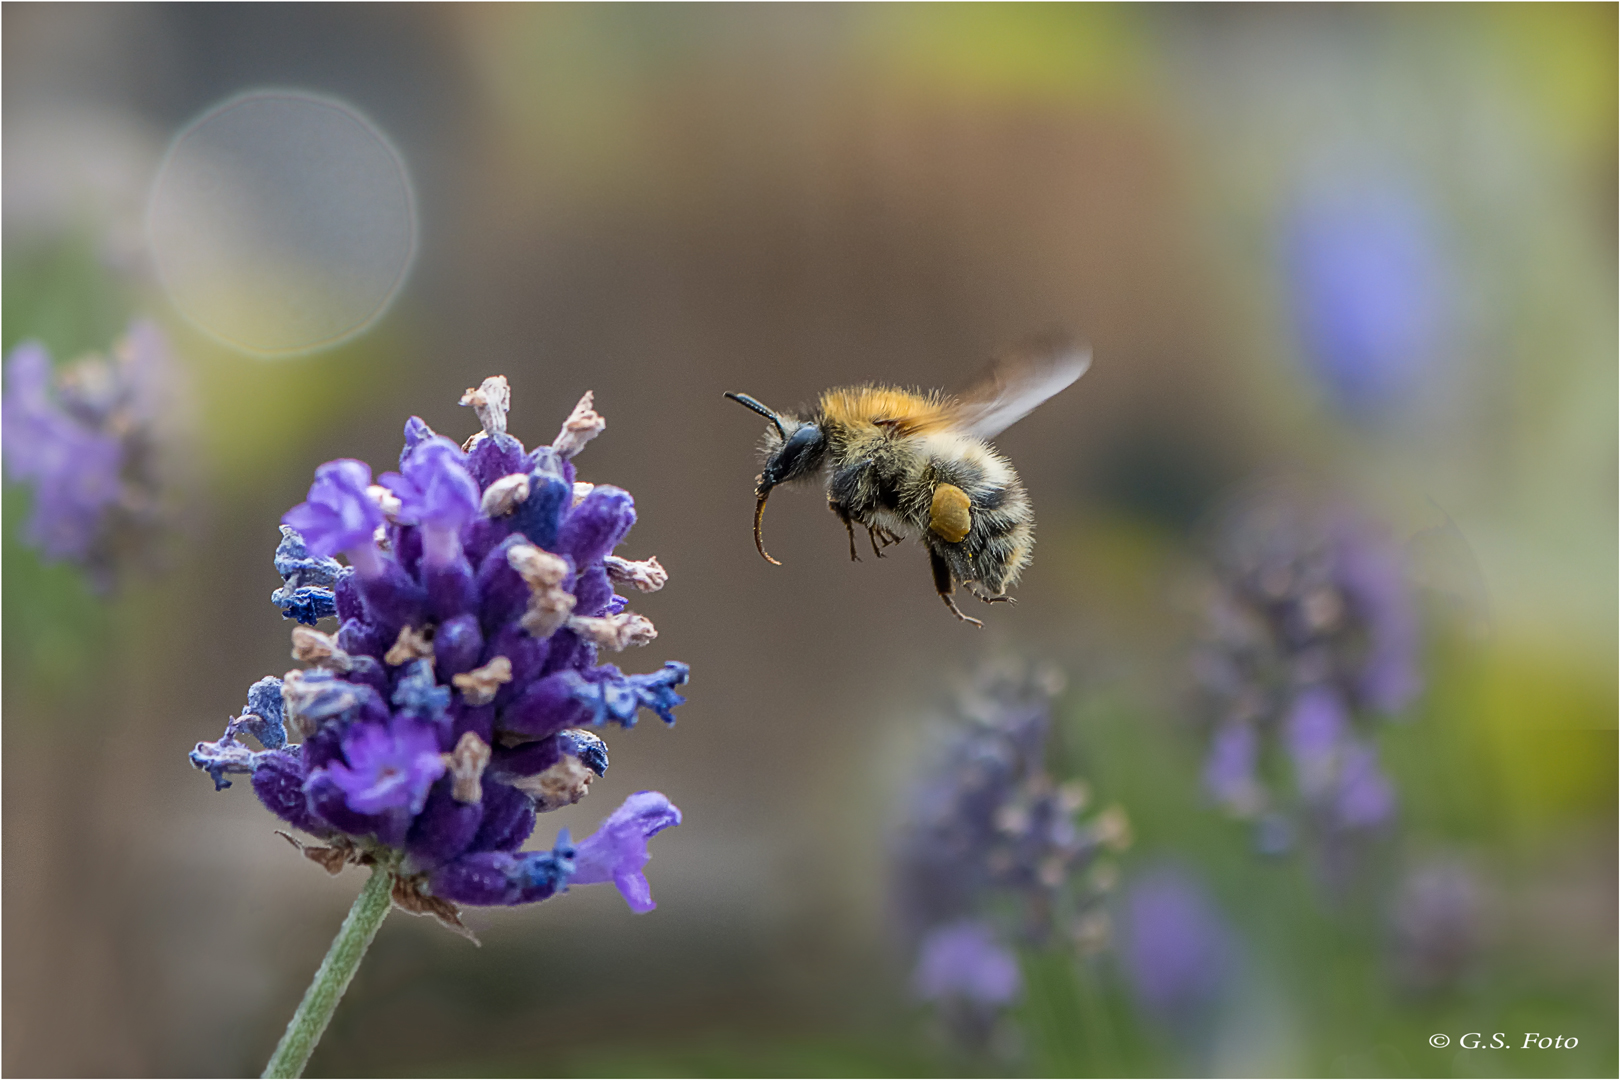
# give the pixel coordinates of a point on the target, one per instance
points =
(308, 1024)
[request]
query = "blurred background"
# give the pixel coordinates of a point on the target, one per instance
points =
(1370, 246)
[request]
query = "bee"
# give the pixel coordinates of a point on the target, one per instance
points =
(902, 463)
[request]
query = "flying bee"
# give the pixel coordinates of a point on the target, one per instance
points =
(904, 463)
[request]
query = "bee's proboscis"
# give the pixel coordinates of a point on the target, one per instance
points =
(759, 522)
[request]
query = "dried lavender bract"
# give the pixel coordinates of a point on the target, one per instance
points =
(459, 693)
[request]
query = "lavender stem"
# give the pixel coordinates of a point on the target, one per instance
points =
(308, 1024)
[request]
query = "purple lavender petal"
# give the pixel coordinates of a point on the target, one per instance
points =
(405, 541)
(1373, 578)
(1365, 798)
(493, 457)
(360, 638)
(502, 592)
(546, 707)
(597, 525)
(329, 801)
(481, 879)
(417, 432)
(346, 598)
(566, 649)
(617, 850)
(449, 584)
(530, 657)
(279, 783)
(1175, 946)
(593, 591)
(434, 488)
(497, 877)
(963, 960)
(527, 759)
(456, 646)
(444, 829)
(539, 517)
(367, 671)
(391, 597)
(481, 535)
(30, 414)
(338, 515)
(1229, 772)
(322, 747)
(1316, 728)
(478, 719)
(387, 768)
(508, 818)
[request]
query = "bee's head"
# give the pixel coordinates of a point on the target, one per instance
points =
(794, 449)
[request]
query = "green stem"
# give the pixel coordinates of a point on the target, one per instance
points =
(1099, 1029)
(308, 1024)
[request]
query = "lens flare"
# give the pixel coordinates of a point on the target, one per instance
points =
(282, 222)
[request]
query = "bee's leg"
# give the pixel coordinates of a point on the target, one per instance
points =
(999, 598)
(849, 527)
(873, 533)
(943, 584)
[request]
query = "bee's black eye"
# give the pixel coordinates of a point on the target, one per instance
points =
(800, 454)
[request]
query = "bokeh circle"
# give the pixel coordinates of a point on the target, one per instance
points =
(281, 222)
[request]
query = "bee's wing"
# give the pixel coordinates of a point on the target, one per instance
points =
(1019, 379)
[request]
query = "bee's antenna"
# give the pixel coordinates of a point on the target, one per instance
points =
(759, 520)
(769, 414)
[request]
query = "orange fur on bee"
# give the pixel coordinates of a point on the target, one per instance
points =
(910, 412)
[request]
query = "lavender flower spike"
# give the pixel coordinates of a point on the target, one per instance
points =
(617, 850)
(448, 709)
(1311, 641)
(87, 439)
(993, 853)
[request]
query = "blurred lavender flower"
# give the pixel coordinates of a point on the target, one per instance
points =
(990, 852)
(1176, 949)
(1310, 635)
(449, 707)
(86, 439)
(1369, 295)
(1438, 922)
(964, 960)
